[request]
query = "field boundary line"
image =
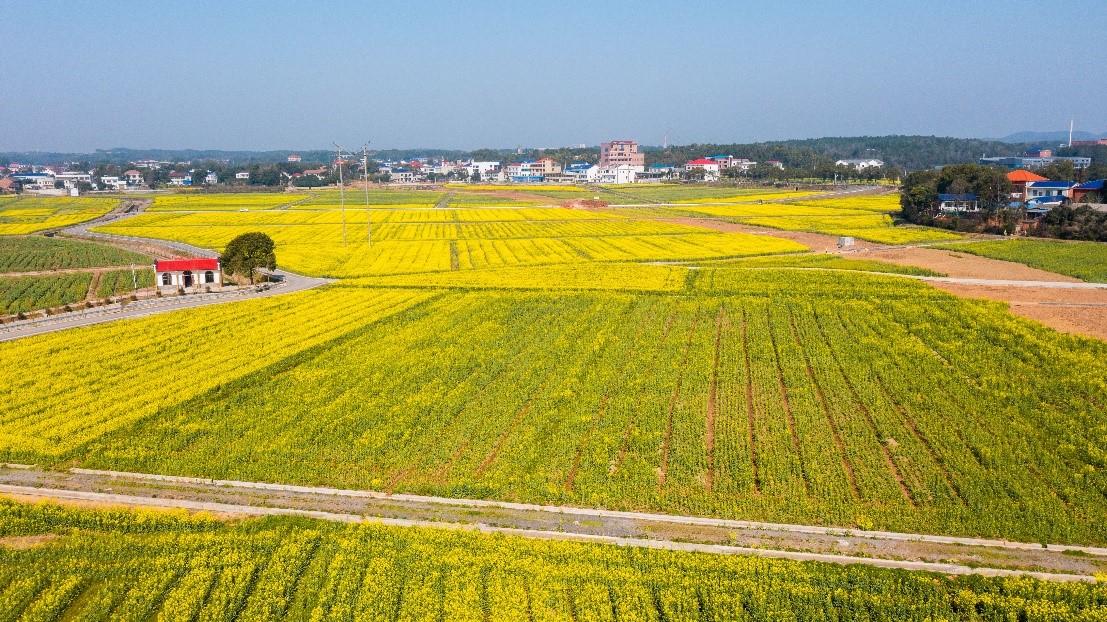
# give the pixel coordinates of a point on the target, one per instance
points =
(226, 508)
(559, 509)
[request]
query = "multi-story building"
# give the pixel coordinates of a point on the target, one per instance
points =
(618, 152)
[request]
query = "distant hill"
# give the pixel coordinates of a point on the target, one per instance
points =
(1049, 138)
(909, 152)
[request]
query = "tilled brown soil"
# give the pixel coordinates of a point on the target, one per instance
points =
(1074, 311)
(963, 265)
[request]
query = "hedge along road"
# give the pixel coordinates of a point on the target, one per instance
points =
(288, 283)
(786, 541)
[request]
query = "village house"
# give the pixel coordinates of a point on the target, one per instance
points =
(70, 179)
(621, 174)
(619, 152)
(180, 179)
(242, 175)
(1080, 193)
(860, 164)
(294, 157)
(710, 168)
(189, 274)
(954, 203)
(113, 182)
(1018, 180)
(133, 177)
(1048, 188)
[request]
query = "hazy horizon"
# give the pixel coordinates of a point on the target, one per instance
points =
(246, 77)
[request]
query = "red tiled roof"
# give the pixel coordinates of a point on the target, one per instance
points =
(194, 263)
(1023, 176)
(701, 161)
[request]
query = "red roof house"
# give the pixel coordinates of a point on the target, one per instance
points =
(190, 273)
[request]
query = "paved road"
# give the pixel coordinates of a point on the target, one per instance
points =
(246, 498)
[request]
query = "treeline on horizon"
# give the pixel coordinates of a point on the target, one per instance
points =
(898, 152)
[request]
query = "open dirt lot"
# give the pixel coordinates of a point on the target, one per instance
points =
(964, 266)
(1079, 312)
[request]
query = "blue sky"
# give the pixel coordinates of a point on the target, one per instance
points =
(297, 75)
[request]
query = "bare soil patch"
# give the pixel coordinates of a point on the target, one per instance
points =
(817, 242)
(27, 542)
(962, 265)
(514, 195)
(1074, 311)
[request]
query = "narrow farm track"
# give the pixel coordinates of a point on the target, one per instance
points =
(687, 533)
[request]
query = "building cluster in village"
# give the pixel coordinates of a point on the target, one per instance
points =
(1028, 189)
(620, 162)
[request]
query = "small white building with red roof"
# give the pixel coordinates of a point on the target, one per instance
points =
(710, 168)
(294, 157)
(193, 273)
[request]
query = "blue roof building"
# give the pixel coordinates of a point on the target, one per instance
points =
(950, 203)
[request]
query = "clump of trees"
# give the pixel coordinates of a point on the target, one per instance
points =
(248, 253)
(919, 198)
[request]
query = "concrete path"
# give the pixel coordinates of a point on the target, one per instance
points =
(474, 523)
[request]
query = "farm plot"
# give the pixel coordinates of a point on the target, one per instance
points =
(147, 565)
(33, 253)
(668, 193)
(25, 215)
(223, 201)
(825, 262)
(355, 196)
(118, 282)
(311, 242)
(27, 293)
(837, 399)
(159, 359)
(1084, 260)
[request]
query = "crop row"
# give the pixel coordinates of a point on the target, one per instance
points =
(146, 567)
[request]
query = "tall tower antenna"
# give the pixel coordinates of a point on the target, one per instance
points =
(341, 188)
(1071, 121)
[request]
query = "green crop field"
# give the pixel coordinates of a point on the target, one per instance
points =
(248, 201)
(23, 215)
(430, 240)
(1084, 260)
(34, 253)
(613, 359)
(142, 566)
(28, 293)
(119, 282)
(793, 396)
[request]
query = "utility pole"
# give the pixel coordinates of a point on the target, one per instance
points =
(368, 215)
(134, 277)
(341, 189)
